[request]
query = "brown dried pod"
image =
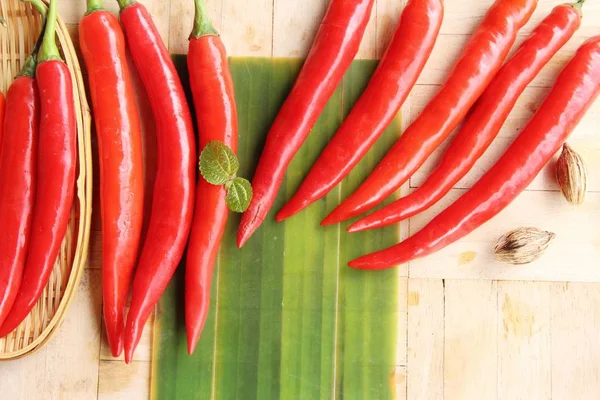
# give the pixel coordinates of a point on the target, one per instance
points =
(522, 245)
(571, 175)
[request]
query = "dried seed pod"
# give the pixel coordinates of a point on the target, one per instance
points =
(523, 245)
(571, 175)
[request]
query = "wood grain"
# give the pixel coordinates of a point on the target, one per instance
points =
(470, 340)
(247, 27)
(402, 322)
(400, 379)
(303, 19)
(524, 335)
(461, 17)
(573, 256)
(368, 45)
(388, 15)
(425, 339)
(66, 368)
(143, 351)
(575, 345)
(118, 380)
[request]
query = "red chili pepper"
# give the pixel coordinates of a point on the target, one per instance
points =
(2, 106)
(332, 52)
(482, 58)
(173, 198)
(17, 185)
(121, 164)
(486, 119)
(56, 165)
(575, 90)
(378, 105)
(212, 88)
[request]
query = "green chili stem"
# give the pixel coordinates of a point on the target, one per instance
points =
(94, 5)
(578, 5)
(125, 3)
(39, 6)
(28, 68)
(49, 49)
(202, 24)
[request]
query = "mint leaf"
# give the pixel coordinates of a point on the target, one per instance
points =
(239, 194)
(218, 163)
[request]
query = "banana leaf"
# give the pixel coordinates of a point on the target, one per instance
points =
(288, 319)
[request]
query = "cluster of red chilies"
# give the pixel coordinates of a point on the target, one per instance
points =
(38, 154)
(480, 92)
(37, 175)
(181, 210)
(40, 192)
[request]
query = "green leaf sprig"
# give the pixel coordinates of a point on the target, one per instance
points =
(219, 165)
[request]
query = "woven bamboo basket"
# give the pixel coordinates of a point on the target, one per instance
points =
(16, 42)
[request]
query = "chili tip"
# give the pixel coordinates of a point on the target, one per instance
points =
(359, 226)
(333, 218)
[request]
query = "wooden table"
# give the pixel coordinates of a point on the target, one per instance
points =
(469, 328)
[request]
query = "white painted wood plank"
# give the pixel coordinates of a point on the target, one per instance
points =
(400, 380)
(121, 381)
(182, 20)
(67, 367)
(295, 26)
(575, 344)
(72, 11)
(573, 256)
(461, 17)
(425, 378)
(446, 52)
(448, 49)
(368, 45)
(388, 15)
(470, 340)
(589, 149)
(401, 349)
(522, 112)
(524, 359)
(247, 27)
(589, 24)
(584, 139)
(143, 351)
(160, 12)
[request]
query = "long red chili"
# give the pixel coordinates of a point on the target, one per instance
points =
(333, 50)
(173, 197)
(482, 58)
(17, 184)
(486, 119)
(216, 115)
(389, 87)
(56, 166)
(2, 108)
(121, 165)
(573, 93)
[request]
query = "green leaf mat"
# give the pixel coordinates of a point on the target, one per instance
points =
(289, 320)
